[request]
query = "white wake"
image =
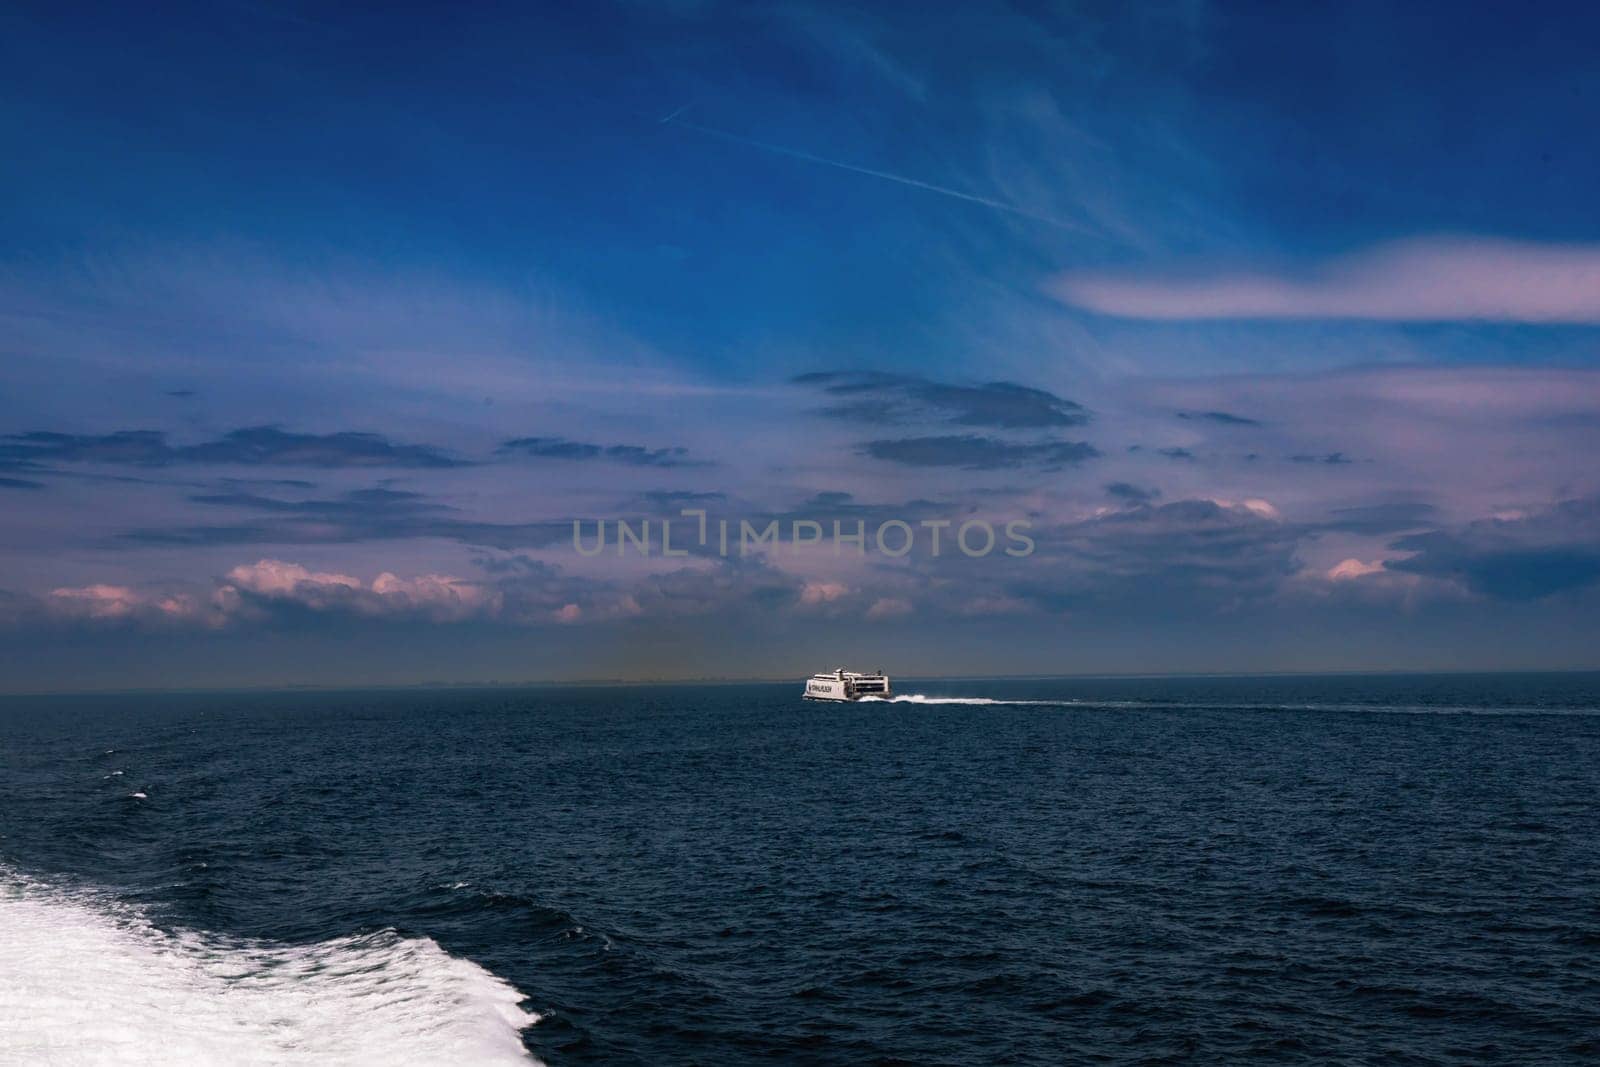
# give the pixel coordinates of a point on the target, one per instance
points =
(1227, 705)
(85, 980)
(918, 698)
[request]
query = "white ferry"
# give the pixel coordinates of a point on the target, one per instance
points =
(847, 685)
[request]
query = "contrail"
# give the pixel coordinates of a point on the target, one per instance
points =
(915, 183)
(676, 112)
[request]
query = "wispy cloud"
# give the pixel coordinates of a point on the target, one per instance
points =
(1133, 494)
(972, 452)
(632, 455)
(1224, 418)
(359, 515)
(1429, 279)
(253, 446)
(873, 396)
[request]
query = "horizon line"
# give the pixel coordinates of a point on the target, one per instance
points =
(601, 683)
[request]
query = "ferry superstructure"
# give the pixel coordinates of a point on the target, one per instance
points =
(841, 684)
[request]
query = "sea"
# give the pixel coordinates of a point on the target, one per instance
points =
(1348, 869)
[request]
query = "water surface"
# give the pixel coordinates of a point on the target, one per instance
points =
(1040, 871)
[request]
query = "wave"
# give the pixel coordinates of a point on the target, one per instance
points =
(87, 980)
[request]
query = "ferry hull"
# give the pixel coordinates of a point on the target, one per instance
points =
(846, 686)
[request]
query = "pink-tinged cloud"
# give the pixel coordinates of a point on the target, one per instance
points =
(114, 603)
(1255, 506)
(1429, 279)
(822, 592)
(438, 597)
(1354, 568)
(275, 578)
(97, 601)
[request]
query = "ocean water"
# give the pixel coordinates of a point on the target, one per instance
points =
(1363, 869)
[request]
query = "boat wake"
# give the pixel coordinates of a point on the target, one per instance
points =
(87, 980)
(1167, 705)
(918, 698)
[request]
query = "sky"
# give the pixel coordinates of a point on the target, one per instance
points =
(1276, 327)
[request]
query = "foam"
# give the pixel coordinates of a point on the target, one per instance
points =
(1164, 705)
(918, 698)
(86, 980)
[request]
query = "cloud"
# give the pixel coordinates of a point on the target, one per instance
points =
(1332, 459)
(1389, 517)
(1254, 505)
(275, 578)
(1427, 279)
(822, 592)
(436, 597)
(520, 591)
(1192, 557)
(972, 452)
(1354, 568)
(871, 396)
(251, 446)
(533, 592)
(672, 501)
(995, 605)
(1524, 558)
(1133, 494)
(440, 597)
(888, 608)
(721, 589)
(1197, 552)
(121, 603)
(356, 503)
(633, 455)
(253, 592)
(377, 514)
(1223, 417)
(19, 483)
(1198, 556)
(833, 505)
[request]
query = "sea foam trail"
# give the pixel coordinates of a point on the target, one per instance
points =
(88, 981)
(918, 698)
(1167, 705)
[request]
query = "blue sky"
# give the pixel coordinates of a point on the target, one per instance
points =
(1279, 326)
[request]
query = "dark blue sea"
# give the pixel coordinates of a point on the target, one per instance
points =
(1287, 870)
